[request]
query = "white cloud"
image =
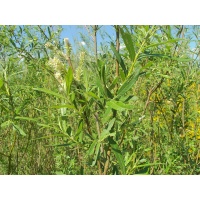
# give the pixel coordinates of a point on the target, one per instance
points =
(122, 46)
(83, 43)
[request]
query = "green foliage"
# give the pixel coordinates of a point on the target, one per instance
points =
(67, 113)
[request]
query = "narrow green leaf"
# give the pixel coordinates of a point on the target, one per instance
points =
(126, 36)
(107, 115)
(92, 148)
(164, 76)
(128, 98)
(161, 43)
(122, 75)
(19, 130)
(118, 105)
(1, 83)
(20, 29)
(115, 81)
(49, 92)
(117, 152)
(103, 73)
(132, 157)
(153, 55)
(119, 58)
(96, 154)
(106, 134)
(100, 86)
(13, 43)
(49, 31)
(93, 95)
(128, 84)
(108, 93)
(38, 53)
(110, 125)
(27, 32)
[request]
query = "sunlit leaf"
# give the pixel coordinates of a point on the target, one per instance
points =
(49, 92)
(19, 129)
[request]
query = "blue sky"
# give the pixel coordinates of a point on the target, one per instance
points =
(73, 33)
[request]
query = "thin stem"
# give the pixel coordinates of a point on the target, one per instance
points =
(117, 48)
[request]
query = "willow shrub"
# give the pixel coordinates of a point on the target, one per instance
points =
(88, 119)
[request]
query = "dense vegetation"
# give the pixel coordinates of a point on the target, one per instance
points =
(101, 109)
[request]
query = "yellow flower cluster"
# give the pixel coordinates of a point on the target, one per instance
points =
(193, 125)
(59, 69)
(193, 130)
(49, 45)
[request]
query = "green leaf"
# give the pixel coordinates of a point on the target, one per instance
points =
(128, 98)
(117, 152)
(92, 148)
(164, 76)
(115, 81)
(107, 115)
(101, 84)
(103, 73)
(160, 43)
(29, 35)
(49, 31)
(20, 29)
(119, 58)
(110, 125)
(1, 83)
(128, 84)
(96, 154)
(131, 158)
(100, 87)
(118, 105)
(38, 53)
(49, 92)
(126, 36)
(13, 43)
(6, 123)
(153, 55)
(93, 95)
(19, 130)
(69, 78)
(108, 93)
(106, 132)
